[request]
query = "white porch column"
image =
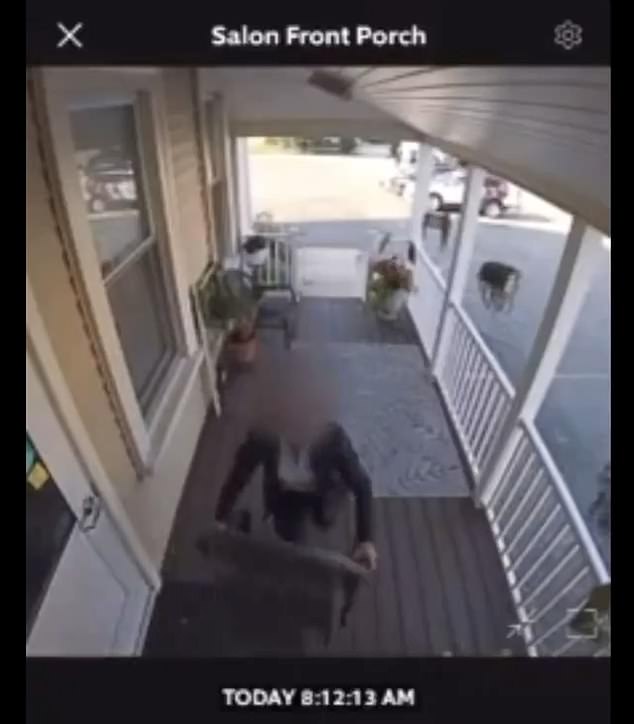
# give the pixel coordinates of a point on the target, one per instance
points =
(576, 269)
(424, 172)
(245, 215)
(232, 225)
(463, 251)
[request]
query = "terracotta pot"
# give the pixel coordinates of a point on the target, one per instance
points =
(243, 352)
(393, 304)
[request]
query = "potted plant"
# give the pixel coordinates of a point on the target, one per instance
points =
(391, 282)
(232, 303)
(255, 250)
(242, 339)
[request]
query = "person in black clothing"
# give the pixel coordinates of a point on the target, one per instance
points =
(309, 466)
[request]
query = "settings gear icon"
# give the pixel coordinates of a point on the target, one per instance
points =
(568, 34)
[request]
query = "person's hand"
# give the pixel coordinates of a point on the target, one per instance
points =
(221, 525)
(365, 554)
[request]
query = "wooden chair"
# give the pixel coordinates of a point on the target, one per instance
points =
(272, 312)
(314, 588)
(278, 273)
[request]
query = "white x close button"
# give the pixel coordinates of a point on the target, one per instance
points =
(70, 36)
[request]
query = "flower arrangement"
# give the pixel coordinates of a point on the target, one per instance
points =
(391, 280)
(392, 274)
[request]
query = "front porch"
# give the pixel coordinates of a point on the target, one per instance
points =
(114, 344)
(440, 587)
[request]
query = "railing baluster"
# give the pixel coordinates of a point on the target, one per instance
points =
(461, 354)
(458, 367)
(463, 366)
(481, 449)
(565, 528)
(499, 415)
(531, 517)
(518, 453)
(558, 596)
(450, 361)
(481, 385)
(466, 385)
(514, 488)
(539, 475)
(485, 417)
(545, 581)
(537, 537)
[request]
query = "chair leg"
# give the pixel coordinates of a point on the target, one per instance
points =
(350, 589)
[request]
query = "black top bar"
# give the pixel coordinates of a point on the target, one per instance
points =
(446, 32)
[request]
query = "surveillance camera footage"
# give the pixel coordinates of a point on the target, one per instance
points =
(318, 349)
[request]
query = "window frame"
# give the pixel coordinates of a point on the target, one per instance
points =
(56, 91)
(215, 144)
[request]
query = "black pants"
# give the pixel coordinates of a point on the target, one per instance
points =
(294, 511)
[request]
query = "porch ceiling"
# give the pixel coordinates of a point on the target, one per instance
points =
(546, 129)
(279, 101)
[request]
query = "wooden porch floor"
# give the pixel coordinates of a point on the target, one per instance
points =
(439, 587)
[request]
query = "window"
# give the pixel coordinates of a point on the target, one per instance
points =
(109, 158)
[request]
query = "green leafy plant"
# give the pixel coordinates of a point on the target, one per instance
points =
(229, 300)
(388, 276)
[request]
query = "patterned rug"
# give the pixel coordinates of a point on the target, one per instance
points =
(395, 420)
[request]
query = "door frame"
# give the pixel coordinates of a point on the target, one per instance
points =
(109, 560)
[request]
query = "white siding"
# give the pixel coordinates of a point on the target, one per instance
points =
(187, 169)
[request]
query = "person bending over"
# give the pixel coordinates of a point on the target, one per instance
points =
(309, 468)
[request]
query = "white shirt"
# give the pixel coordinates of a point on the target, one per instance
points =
(294, 472)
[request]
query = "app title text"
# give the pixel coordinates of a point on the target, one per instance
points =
(296, 36)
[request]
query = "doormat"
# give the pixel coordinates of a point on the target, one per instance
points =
(391, 411)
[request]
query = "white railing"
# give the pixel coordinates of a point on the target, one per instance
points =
(549, 557)
(277, 271)
(477, 392)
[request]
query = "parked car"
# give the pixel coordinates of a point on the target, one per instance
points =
(108, 183)
(328, 144)
(447, 192)
(373, 147)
